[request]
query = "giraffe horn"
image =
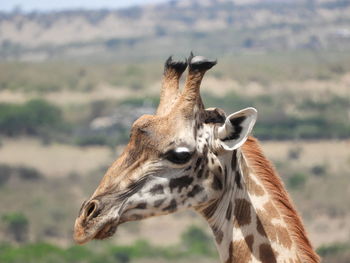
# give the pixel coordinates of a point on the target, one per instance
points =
(170, 84)
(198, 65)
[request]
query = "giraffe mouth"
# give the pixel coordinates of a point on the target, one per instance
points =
(98, 227)
(107, 230)
(100, 231)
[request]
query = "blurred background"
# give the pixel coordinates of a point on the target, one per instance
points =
(74, 75)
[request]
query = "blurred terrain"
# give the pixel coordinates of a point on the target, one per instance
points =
(192, 24)
(73, 82)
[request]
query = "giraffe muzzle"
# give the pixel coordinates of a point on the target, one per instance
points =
(94, 223)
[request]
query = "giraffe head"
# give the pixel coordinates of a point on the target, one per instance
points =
(172, 160)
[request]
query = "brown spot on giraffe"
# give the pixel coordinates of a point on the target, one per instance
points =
(271, 209)
(283, 236)
(266, 254)
(234, 160)
(275, 233)
(229, 211)
(218, 235)
(250, 241)
(260, 227)
(242, 251)
(265, 227)
(238, 180)
(209, 211)
(242, 213)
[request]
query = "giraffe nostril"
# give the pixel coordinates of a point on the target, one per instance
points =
(91, 210)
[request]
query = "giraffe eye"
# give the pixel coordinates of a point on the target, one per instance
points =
(178, 156)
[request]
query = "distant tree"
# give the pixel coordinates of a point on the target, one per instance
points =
(131, 13)
(294, 153)
(113, 43)
(319, 170)
(5, 173)
(17, 226)
(248, 43)
(29, 118)
(28, 173)
(197, 241)
(122, 257)
(297, 181)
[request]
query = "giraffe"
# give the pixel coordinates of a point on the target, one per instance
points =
(189, 157)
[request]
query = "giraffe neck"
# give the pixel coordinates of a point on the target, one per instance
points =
(246, 224)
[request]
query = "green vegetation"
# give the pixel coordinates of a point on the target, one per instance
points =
(21, 172)
(297, 180)
(335, 253)
(283, 114)
(16, 226)
(319, 170)
(108, 253)
(48, 77)
(43, 252)
(47, 121)
(243, 67)
(35, 117)
(332, 249)
(294, 153)
(5, 171)
(198, 242)
(276, 123)
(272, 66)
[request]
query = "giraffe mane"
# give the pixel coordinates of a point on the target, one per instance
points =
(272, 182)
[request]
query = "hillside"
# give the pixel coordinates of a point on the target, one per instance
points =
(218, 27)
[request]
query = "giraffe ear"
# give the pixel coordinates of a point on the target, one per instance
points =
(236, 129)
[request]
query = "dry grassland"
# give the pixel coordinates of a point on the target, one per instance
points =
(54, 159)
(58, 160)
(313, 89)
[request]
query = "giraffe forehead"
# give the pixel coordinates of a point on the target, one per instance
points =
(151, 132)
(169, 125)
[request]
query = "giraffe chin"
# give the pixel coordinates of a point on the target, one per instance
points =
(106, 231)
(102, 231)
